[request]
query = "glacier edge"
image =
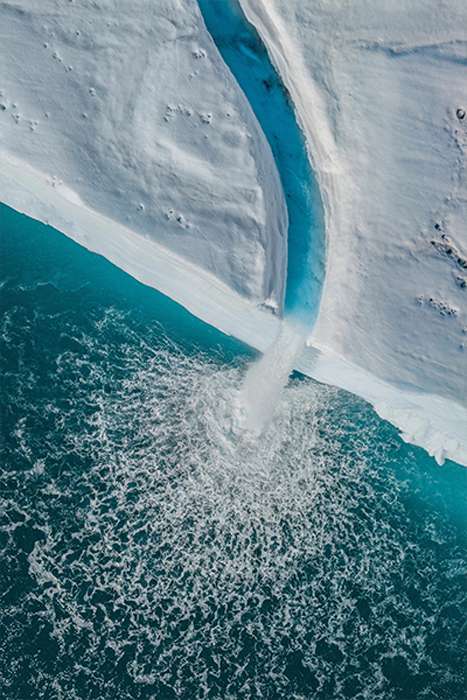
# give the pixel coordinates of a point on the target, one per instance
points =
(426, 418)
(435, 426)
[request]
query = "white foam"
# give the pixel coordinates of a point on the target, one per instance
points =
(172, 549)
(267, 377)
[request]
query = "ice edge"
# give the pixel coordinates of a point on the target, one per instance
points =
(421, 418)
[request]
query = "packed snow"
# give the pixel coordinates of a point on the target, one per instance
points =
(380, 88)
(121, 126)
(126, 108)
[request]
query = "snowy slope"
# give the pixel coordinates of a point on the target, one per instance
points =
(121, 126)
(381, 89)
(128, 108)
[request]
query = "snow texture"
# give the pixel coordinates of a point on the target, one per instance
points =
(121, 126)
(381, 91)
(127, 108)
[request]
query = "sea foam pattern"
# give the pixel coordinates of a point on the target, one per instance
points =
(153, 551)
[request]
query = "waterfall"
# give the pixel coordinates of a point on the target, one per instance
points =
(267, 376)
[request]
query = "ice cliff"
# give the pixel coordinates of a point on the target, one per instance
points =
(122, 127)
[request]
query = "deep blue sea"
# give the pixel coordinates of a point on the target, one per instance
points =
(149, 552)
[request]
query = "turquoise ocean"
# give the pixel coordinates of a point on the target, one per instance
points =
(149, 553)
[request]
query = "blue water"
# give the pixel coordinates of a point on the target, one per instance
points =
(245, 55)
(149, 552)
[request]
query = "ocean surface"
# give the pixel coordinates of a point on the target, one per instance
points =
(151, 551)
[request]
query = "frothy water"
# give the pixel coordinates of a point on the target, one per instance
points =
(150, 553)
(164, 557)
(266, 378)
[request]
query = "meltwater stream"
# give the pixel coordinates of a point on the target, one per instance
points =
(148, 553)
(245, 55)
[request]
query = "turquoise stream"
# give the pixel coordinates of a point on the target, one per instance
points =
(244, 53)
(150, 552)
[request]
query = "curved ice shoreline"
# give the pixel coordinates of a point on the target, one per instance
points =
(436, 423)
(427, 421)
(430, 422)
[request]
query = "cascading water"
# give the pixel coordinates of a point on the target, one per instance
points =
(266, 377)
